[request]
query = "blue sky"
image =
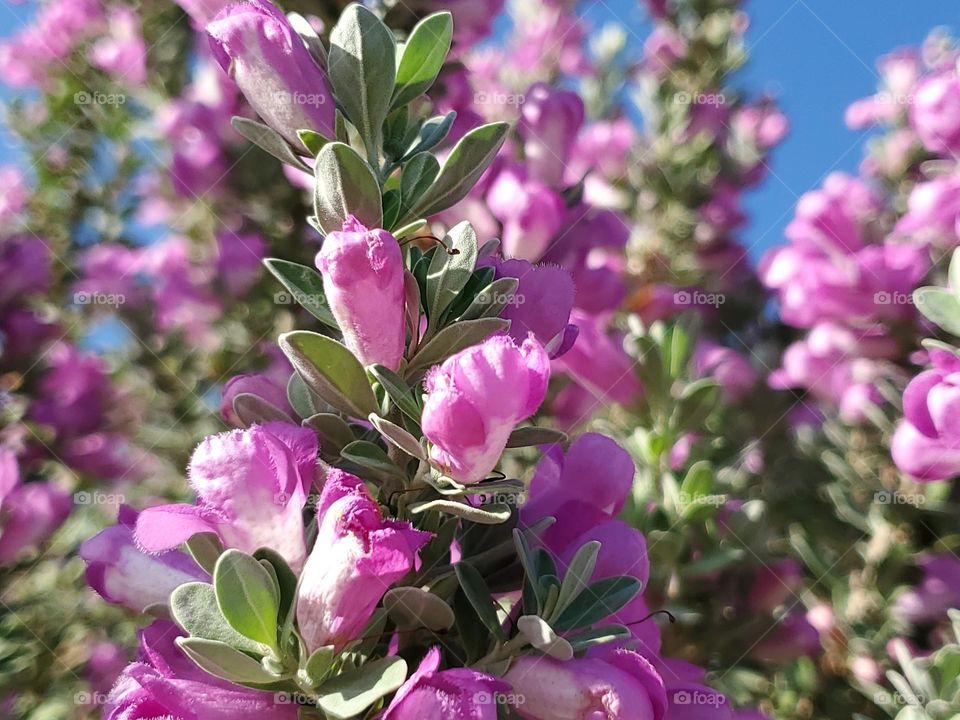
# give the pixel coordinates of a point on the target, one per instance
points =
(816, 56)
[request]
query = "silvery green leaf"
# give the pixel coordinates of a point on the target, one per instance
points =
(600, 600)
(491, 514)
(372, 457)
(205, 548)
(301, 399)
(939, 305)
(397, 389)
(362, 70)
(333, 432)
(254, 410)
(331, 371)
(247, 596)
(479, 279)
(953, 273)
(391, 207)
(319, 664)
(527, 436)
(412, 607)
(431, 133)
(268, 139)
(422, 57)
(310, 38)
(398, 436)
(222, 661)
(194, 608)
(578, 575)
(462, 168)
(598, 636)
(449, 271)
(286, 583)
(454, 338)
(305, 287)
(312, 140)
(410, 229)
(539, 634)
(491, 301)
(697, 401)
(418, 174)
(476, 591)
(345, 185)
(350, 693)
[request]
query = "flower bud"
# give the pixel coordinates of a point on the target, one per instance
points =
(935, 114)
(358, 555)
(476, 397)
(363, 282)
(550, 120)
(255, 43)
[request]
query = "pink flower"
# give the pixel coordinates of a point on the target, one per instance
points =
(255, 43)
(935, 113)
(363, 282)
(123, 574)
(270, 386)
(933, 209)
(550, 121)
(457, 694)
(16, 192)
(358, 555)
(29, 513)
(926, 443)
(251, 487)
(474, 400)
(731, 370)
(624, 686)
(122, 52)
(531, 212)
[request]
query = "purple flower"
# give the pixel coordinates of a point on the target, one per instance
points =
(662, 49)
(165, 684)
(254, 42)
(74, 392)
(933, 209)
(29, 513)
(731, 370)
(123, 574)
(358, 555)
(549, 122)
(774, 585)
(16, 192)
(531, 212)
(624, 686)
(25, 267)
(541, 304)
(926, 443)
(251, 487)
(762, 124)
(457, 694)
(122, 52)
(363, 283)
(476, 397)
(937, 592)
(935, 113)
(270, 386)
(202, 12)
(794, 636)
(239, 257)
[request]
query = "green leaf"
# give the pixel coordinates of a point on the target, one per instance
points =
(413, 607)
(398, 436)
(491, 301)
(391, 207)
(939, 305)
(286, 582)
(462, 168)
(490, 514)
(410, 229)
(305, 286)
(319, 664)
(539, 634)
(423, 56)
(600, 600)
(194, 608)
(431, 133)
(479, 279)
(362, 70)
(268, 139)
(598, 636)
(449, 273)
(222, 661)
(312, 140)
(247, 596)
(454, 338)
(349, 694)
(713, 561)
(372, 457)
(345, 186)
(331, 371)
(333, 432)
(578, 575)
(301, 399)
(254, 410)
(476, 591)
(417, 176)
(205, 549)
(527, 436)
(397, 389)
(696, 402)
